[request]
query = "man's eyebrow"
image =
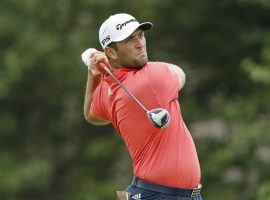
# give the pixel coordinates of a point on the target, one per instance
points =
(129, 37)
(134, 34)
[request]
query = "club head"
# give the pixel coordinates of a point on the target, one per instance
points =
(159, 117)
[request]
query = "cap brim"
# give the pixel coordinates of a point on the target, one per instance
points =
(146, 26)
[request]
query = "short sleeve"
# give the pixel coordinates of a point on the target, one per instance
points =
(98, 105)
(164, 81)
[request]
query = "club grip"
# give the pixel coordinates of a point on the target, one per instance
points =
(103, 67)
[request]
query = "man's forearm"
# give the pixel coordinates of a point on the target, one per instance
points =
(91, 85)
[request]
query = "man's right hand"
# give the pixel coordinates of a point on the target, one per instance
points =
(92, 58)
(98, 57)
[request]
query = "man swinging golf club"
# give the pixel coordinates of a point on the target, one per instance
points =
(140, 99)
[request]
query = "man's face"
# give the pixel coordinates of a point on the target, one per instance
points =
(131, 52)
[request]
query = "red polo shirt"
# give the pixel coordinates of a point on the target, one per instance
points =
(164, 156)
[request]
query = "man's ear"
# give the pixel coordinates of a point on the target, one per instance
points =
(111, 53)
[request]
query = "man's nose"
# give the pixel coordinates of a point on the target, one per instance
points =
(140, 42)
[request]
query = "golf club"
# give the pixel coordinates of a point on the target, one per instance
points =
(159, 117)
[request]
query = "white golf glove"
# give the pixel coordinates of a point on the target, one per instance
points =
(87, 60)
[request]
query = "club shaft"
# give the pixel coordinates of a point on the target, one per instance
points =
(125, 89)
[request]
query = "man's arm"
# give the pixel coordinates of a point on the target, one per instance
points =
(179, 73)
(92, 83)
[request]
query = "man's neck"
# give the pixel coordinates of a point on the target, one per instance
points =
(114, 65)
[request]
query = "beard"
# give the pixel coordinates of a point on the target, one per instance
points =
(136, 63)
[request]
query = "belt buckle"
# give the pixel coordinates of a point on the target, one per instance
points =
(196, 191)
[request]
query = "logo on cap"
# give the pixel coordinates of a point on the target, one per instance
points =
(120, 26)
(105, 40)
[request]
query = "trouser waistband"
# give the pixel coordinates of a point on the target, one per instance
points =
(137, 182)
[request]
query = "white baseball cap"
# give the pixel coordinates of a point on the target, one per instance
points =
(118, 27)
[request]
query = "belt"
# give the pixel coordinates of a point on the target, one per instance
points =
(137, 182)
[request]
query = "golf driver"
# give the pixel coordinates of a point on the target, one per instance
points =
(159, 117)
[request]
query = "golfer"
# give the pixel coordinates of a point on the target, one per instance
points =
(165, 160)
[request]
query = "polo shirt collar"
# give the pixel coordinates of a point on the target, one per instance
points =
(118, 73)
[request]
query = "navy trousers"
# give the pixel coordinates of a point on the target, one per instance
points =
(142, 194)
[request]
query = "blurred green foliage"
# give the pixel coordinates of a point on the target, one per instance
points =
(48, 150)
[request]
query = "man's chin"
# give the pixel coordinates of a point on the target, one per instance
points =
(138, 64)
(142, 63)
